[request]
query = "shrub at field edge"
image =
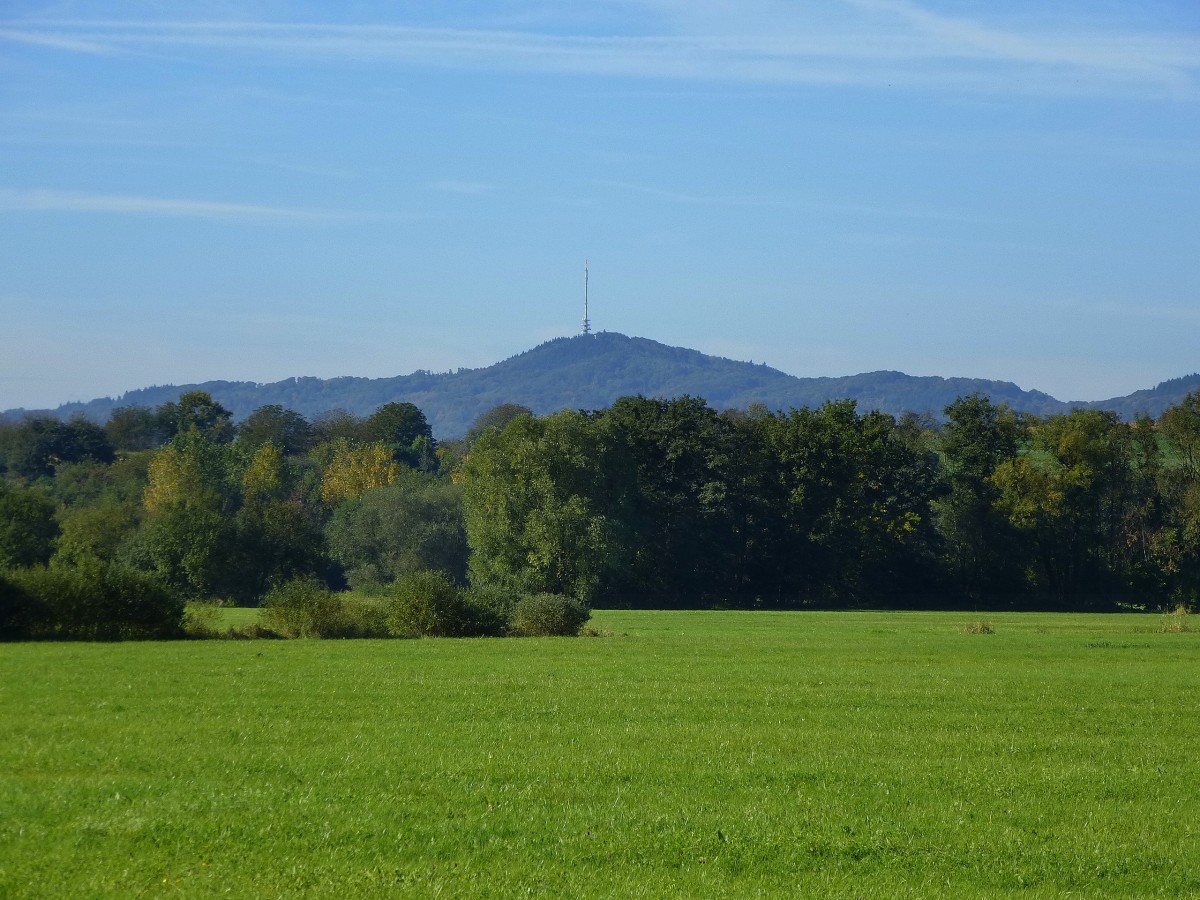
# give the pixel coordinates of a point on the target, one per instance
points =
(548, 615)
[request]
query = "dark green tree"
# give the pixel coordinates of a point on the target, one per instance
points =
(338, 425)
(415, 524)
(397, 423)
(38, 445)
(195, 550)
(28, 526)
(679, 500)
(853, 500)
(1176, 543)
(198, 412)
(285, 428)
(402, 428)
(131, 428)
(80, 440)
(983, 555)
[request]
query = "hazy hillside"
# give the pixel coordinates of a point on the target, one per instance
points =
(1152, 400)
(590, 371)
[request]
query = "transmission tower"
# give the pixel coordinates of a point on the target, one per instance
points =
(587, 326)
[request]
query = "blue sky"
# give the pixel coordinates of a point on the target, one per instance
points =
(255, 190)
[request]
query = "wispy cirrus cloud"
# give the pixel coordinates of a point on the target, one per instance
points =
(761, 202)
(38, 201)
(1160, 58)
(55, 41)
(872, 42)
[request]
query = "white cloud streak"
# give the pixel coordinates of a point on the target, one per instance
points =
(51, 201)
(1166, 60)
(882, 42)
(55, 42)
(850, 209)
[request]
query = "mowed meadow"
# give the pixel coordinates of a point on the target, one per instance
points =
(686, 754)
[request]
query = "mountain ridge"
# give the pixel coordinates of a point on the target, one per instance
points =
(590, 371)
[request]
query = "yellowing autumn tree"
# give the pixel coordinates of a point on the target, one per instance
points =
(193, 471)
(355, 469)
(266, 478)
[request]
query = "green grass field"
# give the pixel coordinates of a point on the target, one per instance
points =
(690, 754)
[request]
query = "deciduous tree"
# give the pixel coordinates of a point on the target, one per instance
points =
(414, 524)
(355, 469)
(28, 526)
(981, 554)
(536, 499)
(285, 428)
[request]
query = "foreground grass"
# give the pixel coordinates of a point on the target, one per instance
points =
(690, 754)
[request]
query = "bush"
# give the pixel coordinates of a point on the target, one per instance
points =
(201, 620)
(427, 604)
(20, 611)
(490, 608)
(364, 616)
(304, 608)
(139, 605)
(61, 599)
(545, 615)
(94, 600)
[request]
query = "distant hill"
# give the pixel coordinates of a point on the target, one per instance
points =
(590, 371)
(1151, 401)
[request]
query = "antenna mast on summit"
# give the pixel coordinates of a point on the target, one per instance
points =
(587, 326)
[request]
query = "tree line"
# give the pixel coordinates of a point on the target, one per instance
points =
(670, 503)
(648, 502)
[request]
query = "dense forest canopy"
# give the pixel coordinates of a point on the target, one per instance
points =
(593, 371)
(645, 502)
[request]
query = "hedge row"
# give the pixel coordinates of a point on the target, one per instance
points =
(421, 604)
(91, 601)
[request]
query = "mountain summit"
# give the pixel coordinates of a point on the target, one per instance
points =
(589, 371)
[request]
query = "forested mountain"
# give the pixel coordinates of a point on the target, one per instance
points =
(591, 371)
